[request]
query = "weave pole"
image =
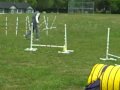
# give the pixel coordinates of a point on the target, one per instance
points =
(53, 23)
(16, 26)
(46, 19)
(27, 24)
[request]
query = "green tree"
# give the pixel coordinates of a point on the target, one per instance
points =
(32, 2)
(102, 5)
(115, 6)
(60, 4)
(43, 4)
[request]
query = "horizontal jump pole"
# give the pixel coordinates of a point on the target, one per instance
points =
(113, 55)
(47, 45)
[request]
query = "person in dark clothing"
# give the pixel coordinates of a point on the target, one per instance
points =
(35, 22)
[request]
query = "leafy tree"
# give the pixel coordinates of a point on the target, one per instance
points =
(100, 5)
(45, 4)
(32, 2)
(115, 6)
(60, 4)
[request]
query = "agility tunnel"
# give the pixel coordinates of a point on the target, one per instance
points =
(109, 77)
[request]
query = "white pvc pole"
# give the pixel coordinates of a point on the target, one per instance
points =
(26, 20)
(47, 45)
(53, 22)
(6, 25)
(45, 22)
(65, 38)
(29, 22)
(16, 26)
(108, 39)
(31, 41)
(47, 27)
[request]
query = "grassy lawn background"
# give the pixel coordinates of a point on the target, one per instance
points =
(45, 69)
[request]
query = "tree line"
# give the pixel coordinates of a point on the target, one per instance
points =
(103, 6)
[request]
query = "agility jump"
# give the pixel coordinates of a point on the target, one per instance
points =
(108, 55)
(64, 47)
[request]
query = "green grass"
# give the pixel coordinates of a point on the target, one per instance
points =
(45, 69)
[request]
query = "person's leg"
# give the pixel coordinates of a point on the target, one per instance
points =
(27, 35)
(37, 32)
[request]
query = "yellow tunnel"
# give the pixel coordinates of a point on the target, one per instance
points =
(109, 79)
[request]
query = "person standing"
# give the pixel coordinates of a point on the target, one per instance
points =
(35, 22)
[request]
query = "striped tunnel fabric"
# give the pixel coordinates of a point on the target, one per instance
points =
(109, 79)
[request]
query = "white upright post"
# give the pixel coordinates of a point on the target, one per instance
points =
(6, 25)
(108, 39)
(46, 25)
(65, 39)
(65, 44)
(53, 23)
(47, 22)
(27, 24)
(31, 41)
(112, 57)
(16, 26)
(26, 20)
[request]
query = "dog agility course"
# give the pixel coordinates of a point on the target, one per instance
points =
(46, 69)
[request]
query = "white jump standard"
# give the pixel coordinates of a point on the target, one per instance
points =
(64, 47)
(108, 55)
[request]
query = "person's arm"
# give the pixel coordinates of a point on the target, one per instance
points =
(37, 17)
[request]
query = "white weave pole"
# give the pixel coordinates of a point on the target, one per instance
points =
(16, 26)
(108, 55)
(6, 25)
(65, 51)
(46, 24)
(53, 23)
(29, 27)
(46, 20)
(27, 24)
(26, 20)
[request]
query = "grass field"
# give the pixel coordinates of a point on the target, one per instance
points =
(45, 69)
